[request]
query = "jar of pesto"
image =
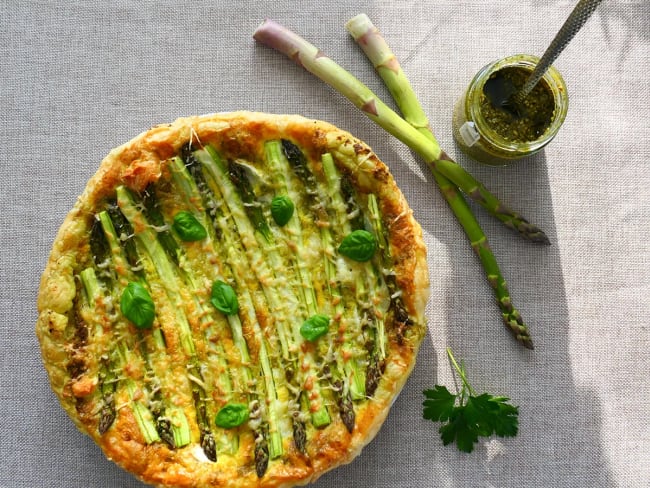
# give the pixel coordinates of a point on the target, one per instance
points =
(496, 136)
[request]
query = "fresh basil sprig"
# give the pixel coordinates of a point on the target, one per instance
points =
(137, 305)
(232, 415)
(188, 228)
(315, 327)
(224, 298)
(359, 245)
(282, 208)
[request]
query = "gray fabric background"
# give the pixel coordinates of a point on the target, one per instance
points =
(78, 78)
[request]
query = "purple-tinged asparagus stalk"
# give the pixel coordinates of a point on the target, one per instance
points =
(305, 54)
(388, 67)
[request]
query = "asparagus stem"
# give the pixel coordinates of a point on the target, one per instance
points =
(217, 172)
(354, 379)
(142, 415)
(170, 423)
(274, 35)
(106, 377)
(108, 385)
(94, 294)
(147, 238)
(193, 198)
(240, 268)
(155, 217)
(276, 161)
(240, 199)
(389, 69)
(341, 221)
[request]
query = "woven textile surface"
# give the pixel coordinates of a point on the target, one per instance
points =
(79, 78)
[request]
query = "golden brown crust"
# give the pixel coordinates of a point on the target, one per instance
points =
(142, 161)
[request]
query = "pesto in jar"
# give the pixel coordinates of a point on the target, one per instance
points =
(533, 116)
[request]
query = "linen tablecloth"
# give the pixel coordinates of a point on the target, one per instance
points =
(78, 78)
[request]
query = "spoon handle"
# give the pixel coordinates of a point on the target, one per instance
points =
(572, 25)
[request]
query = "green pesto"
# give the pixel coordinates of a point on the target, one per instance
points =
(532, 117)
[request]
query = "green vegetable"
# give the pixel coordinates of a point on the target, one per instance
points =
(188, 228)
(224, 298)
(232, 415)
(282, 209)
(137, 306)
(232, 182)
(165, 268)
(359, 245)
(152, 417)
(244, 188)
(312, 59)
(239, 268)
(155, 218)
(468, 416)
(389, 69)
(341, 222)
(315, 327)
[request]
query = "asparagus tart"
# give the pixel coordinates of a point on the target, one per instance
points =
(234, 300)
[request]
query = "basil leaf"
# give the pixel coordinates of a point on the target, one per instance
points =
(188, 228)
(315, 327)
(137, 306)
(359, 245)
(232, 415)
(282, 209)
(224, 298)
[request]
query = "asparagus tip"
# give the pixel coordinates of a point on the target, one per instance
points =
(527, 342)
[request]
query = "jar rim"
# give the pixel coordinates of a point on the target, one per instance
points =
(553, 80)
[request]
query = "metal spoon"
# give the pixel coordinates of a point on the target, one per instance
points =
(501, 92)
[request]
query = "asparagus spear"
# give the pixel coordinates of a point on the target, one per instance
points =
(143, 417)
(274, 35)
(374, 328)
(147, 238)
(233, 258)
(350, 384)
(388, 67)
(188, 177)
(240, 199)
(169, 275)
(170, 422)
(275, 160)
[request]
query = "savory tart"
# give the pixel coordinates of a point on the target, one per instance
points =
(234, 300)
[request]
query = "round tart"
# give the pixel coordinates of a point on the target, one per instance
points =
(234, 300)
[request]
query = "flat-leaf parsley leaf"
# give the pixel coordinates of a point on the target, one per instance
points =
(468, 416)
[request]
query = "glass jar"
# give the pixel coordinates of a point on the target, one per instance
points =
(482, 142)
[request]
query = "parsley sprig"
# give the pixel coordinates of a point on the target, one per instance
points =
(467, 415)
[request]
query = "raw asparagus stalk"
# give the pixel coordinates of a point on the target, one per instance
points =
(389, 69)
(274, 35)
